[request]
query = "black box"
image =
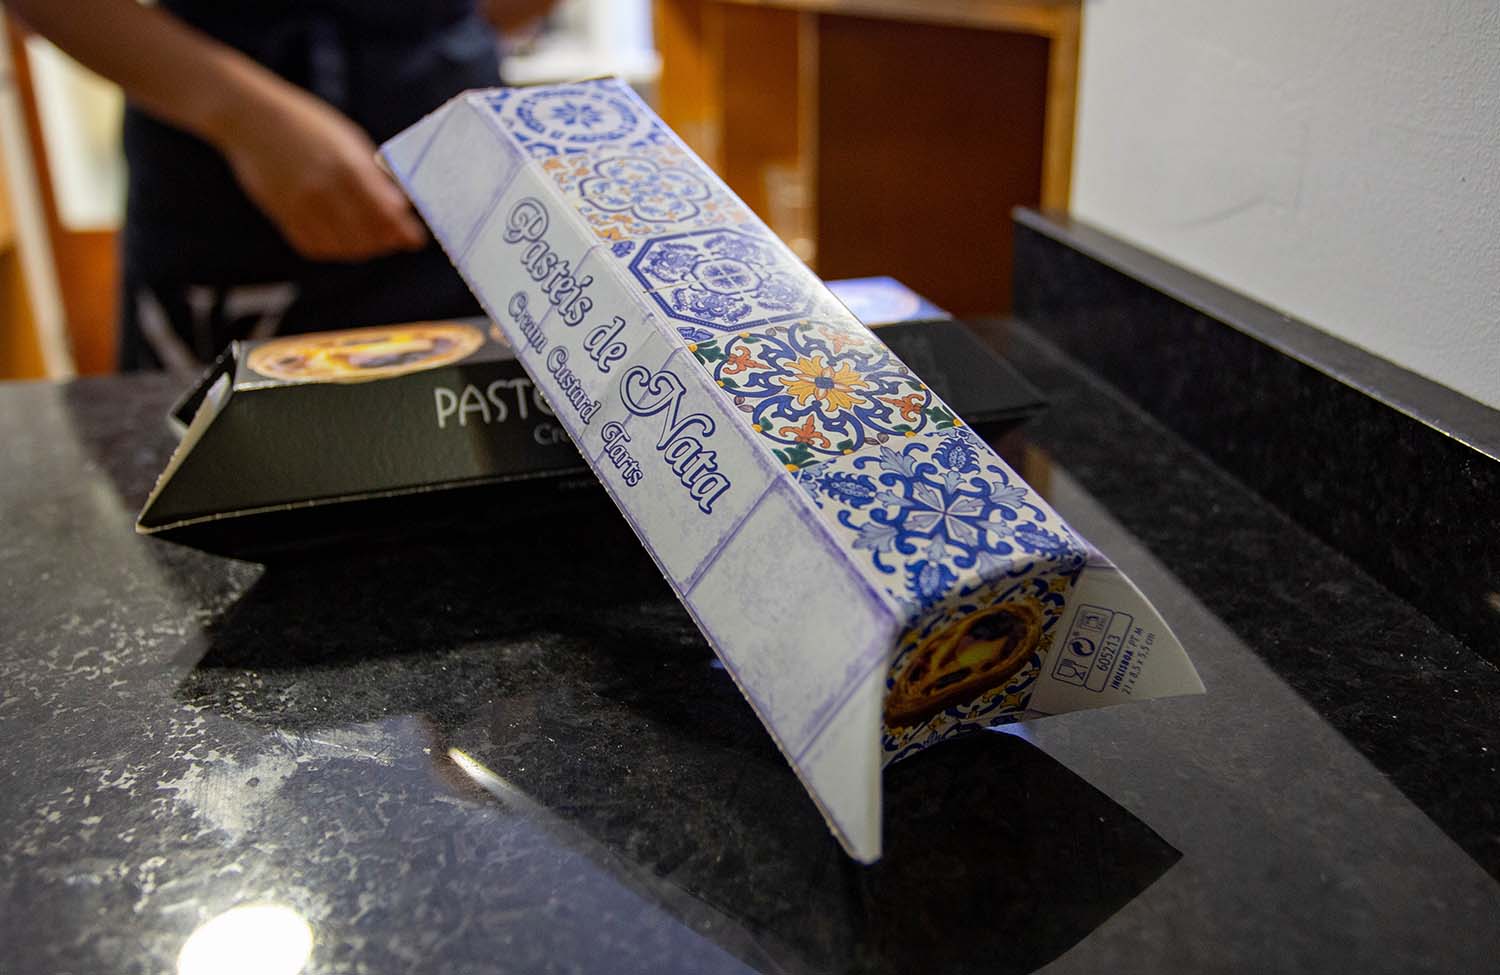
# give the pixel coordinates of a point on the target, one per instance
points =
(338, 438)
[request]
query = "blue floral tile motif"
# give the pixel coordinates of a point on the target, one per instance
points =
(939, 515)
(726, 280)
(820, 388)
(576, 118)
(643, 192)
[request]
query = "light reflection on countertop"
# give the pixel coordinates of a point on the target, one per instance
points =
(252, 939)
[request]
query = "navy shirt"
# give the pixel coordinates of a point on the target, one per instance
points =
(202, 266)
(383, 63)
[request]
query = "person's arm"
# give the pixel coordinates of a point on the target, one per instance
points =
(307, 166)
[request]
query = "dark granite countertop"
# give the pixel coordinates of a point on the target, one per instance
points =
(474, 751)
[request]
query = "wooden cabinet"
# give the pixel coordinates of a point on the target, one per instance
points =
(882, 136)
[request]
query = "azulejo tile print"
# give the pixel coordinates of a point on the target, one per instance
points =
(938, 515)
(575, 118)
(982, 566)
(723, 280)
(821, 388)
(642, 192)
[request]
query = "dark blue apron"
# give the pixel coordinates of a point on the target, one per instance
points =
(203, 266)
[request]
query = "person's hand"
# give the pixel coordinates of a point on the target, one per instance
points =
(313, 172)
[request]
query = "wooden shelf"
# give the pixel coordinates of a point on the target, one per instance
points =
(882, 136)
(1025, 16)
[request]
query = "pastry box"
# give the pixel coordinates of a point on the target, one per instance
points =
(871, 573)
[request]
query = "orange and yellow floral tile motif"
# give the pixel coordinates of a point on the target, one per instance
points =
(820, 388)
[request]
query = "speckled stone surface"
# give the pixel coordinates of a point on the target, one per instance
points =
(481, 750)
(1399, 473)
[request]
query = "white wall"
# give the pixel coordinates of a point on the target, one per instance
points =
(38, 268)
(1336, 159)
(80, 114)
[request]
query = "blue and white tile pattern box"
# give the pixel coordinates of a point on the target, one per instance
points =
(870, 572)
